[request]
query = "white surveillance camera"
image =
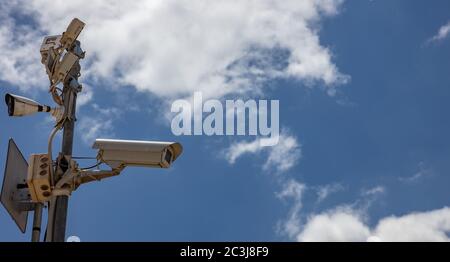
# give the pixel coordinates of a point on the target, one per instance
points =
(71, 34)
(121, 153)
(63, 68)
(21, 106)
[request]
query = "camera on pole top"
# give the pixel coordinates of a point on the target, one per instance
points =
(60, 55)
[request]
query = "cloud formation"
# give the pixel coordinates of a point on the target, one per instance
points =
(423, 172)
(281, 157)
(294, 191)
(19, 51)
(341, 225)
(344, 224)
(374, 191)
(350, 223)
(443, 33)
(173, 48)
(97, 124)
(325, 191)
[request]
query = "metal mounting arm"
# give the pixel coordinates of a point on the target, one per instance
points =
(96, 175)
(74, 178)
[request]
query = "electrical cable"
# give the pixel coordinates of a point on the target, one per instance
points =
(84, 157)
(91, 167)
(50, 140)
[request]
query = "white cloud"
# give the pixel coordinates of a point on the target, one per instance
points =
(91, 128)
(378, 190)
(444, 31)
(419, 226)
(236, 150)
(351, 222)
(85, 96)
(97, 124)
(292, 190)
(342, 224)
(345, 224)
(172, 48)
(423, 171)
(19, 52)
(281, 157)
(324, 191)
(284, 155)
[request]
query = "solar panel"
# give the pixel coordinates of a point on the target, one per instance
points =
(14, 185)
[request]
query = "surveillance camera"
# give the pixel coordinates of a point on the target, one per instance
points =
(48, 49)
(120, 153)
(22, 106)
(71, 34)
(63, 67)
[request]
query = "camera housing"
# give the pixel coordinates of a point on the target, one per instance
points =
(71, 34)
(22, 106)
(120, 153)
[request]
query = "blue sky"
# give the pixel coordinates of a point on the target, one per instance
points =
(366, 134)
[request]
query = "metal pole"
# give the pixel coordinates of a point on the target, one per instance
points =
(58, 217)
(37, 218)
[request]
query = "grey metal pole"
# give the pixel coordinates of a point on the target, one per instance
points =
(37, 219)
(58, 218)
